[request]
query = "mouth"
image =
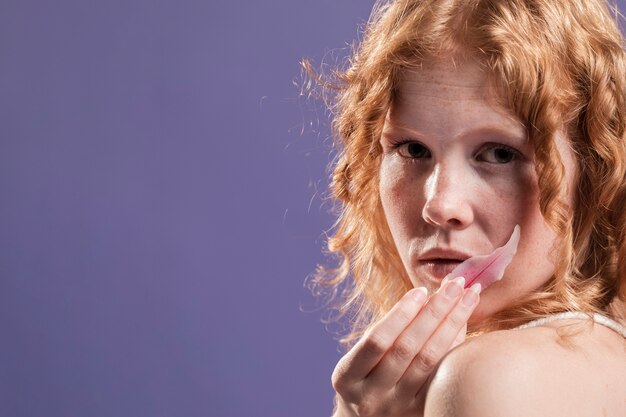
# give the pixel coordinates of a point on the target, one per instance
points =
(439, 267)
(484, 269)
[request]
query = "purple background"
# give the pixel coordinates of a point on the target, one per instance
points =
(160, 207)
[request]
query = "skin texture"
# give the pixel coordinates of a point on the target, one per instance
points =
(529, 373)
(384, 373)
(464, 180)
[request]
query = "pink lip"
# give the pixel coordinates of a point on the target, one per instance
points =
(439, 268)
(439, 262)
(441, 253)
(485, 269)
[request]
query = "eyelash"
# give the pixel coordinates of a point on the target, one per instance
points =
(514, 152)
(397, 145)
(516, 155)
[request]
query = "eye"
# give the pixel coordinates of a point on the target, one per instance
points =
(411, 149)
(498, 154)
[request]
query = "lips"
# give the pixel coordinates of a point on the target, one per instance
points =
(441, 262)
(487, 269)
(440, 267)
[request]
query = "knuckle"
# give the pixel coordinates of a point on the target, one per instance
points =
(339, 378)
(438, 313)
(402, 351)
(427, 358)
(456, 321)
(374, 344)
(347, 390)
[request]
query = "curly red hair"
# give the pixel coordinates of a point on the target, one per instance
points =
(559, 65)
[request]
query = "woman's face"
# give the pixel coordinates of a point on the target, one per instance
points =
(456, 176)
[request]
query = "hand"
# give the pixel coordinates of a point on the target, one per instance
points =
(385, 371)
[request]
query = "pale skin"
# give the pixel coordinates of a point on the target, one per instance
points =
(528, 373)
(456, 173)
(383, 372)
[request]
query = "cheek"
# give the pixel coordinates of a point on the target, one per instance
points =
(399, 195)
(511, 198)
(528, 199)
(534, 262)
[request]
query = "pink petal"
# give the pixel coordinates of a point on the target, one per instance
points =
(488, 269)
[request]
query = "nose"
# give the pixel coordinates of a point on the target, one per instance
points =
(448, 198)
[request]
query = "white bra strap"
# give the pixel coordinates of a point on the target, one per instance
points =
(598, 318)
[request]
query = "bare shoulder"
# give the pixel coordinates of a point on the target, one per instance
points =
(531, 373)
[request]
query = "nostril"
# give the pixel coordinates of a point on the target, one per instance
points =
(454, 216)
(454, 222)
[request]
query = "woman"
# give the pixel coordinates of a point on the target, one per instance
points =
(458, 120)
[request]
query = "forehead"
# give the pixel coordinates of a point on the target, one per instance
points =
(450, 92)
(441, 78)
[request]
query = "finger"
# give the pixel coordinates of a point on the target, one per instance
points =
(399, 357)
(440, 343)
(364, 356)
(460, 337)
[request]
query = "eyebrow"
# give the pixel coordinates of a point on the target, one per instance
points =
(487, 130)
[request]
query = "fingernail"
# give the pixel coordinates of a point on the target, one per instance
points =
(455, 287)
(420, 294)
(471, 296)
(443, 282)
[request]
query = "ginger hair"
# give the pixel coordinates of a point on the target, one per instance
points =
(560, 66)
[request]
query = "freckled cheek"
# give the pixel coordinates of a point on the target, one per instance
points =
(400, 198)
(515, 197)
(526, 195)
